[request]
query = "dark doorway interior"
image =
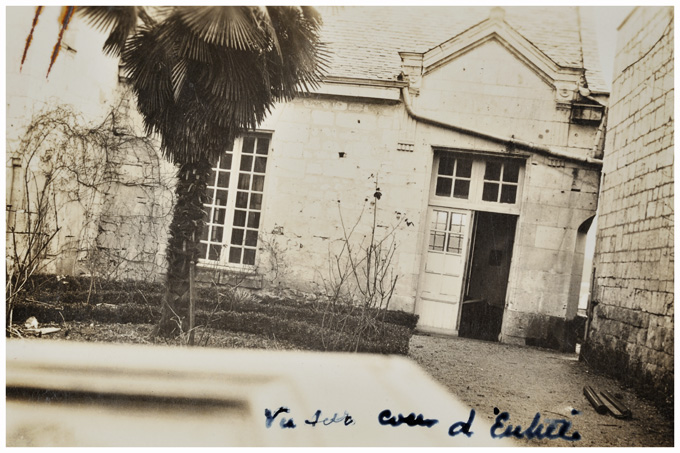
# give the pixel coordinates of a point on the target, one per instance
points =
(488, 271)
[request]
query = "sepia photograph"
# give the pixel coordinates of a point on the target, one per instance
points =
(339, 226)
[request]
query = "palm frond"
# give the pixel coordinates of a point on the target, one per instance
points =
(228, 26)
(120, 20)
(179, 75)
(199, 83)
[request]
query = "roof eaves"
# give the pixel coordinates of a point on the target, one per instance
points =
(366, 82)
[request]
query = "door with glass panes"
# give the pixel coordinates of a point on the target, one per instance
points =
(444, 267)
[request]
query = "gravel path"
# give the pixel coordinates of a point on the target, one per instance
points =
(525, 380)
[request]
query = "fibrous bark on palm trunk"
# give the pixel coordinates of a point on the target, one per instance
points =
(182, 251)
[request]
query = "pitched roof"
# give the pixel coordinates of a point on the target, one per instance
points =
(365, 41)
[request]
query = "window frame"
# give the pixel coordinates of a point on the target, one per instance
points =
(477, 180)
(233, 188)
(447, 232)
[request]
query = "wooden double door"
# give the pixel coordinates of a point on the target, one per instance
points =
(467, 258)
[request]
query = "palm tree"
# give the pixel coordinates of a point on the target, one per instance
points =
(203, 75)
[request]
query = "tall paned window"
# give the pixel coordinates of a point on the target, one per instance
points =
(234, 207)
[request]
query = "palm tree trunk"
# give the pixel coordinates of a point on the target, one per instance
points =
(182, 250)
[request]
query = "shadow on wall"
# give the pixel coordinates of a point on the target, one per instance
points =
(556, 333)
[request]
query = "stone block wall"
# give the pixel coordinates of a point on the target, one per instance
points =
(117, 226)
(559, 200)
(328, 155)
(631, 327)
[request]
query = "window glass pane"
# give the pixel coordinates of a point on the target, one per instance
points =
(211, 178)
(225, 161)
(260, 164)
(249, 256)
(202, 248)
(241, 199)
(493, 171)
(218, 216)
(244, 181)
(254, 220)
(511, 171)
(223, 179)
(256, 201)
(221, 197)
(508, 193)
(443, 187)
(437, 241)
(262, 145)
(248, 145)
(457, 222)
(214, 252)
(230, 146)
(235, 255)
(239, 218)
(464, 168)
(216, 234)
(490, 192)
(461, 189)
(251, 238)
(258, 183)
(246, 163)
(455, 243)
(237, 236)
(439, 221)
(204, 233)
(446, 165)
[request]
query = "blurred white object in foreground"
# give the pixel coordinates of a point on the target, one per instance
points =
(84, 394)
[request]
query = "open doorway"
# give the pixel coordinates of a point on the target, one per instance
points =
(488, 270)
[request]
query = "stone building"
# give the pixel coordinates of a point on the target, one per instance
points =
(481, 127)
(631, 313)
(468, 138)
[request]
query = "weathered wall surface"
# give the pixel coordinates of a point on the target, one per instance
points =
(109, 200)
(631, 330)
(558, 198)
(328, 155)
(490, 89)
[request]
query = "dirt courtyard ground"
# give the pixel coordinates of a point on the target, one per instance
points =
(526, 380)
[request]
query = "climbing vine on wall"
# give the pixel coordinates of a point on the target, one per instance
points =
(86, 199)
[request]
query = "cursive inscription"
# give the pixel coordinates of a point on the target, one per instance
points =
(535, 430)
(463, 427)
(288, 422)
(386, 418)
(346, 419)
(551, 429)
(284, 422)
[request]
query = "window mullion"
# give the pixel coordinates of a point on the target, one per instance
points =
(477, 180)
(231, 200)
